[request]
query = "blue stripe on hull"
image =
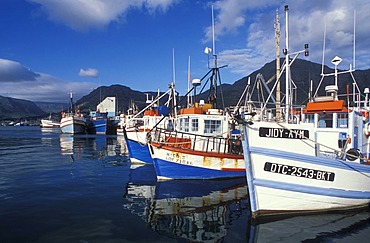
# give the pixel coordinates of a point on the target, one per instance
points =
(100, 126)
(332, 192)
(172, 170)
(300, 158)
(139, 151)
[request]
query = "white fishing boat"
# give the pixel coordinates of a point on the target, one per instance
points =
(124, 118)
(49, 123)
(200, 147)
(313, 159)
(72, 122)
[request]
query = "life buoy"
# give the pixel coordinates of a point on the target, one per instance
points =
(353, 154)
(235, 146)
(367, 130)
(349, 140)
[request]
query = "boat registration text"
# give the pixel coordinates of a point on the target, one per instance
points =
(299, 171)
(283, 133)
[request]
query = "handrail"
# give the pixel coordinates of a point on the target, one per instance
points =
(179, 139)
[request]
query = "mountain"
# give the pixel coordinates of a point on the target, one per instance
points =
(302, 73)
(123, 96)
(11, 108)
(50, 107)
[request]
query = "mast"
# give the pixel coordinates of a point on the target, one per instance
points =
(277, 38)
(213, 79)
(189, 81)
(71, 101)
(172, 85)
(287, 69)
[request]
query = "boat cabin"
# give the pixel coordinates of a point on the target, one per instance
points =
(338, 127)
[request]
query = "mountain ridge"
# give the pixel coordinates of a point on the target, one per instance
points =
(302, 73)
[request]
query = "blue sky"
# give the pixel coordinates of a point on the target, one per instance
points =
(51, 47)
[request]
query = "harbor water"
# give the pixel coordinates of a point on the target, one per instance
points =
(83, 188)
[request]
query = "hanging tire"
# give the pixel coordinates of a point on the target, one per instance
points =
(353, 154)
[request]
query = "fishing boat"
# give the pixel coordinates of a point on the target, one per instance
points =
(136, 128)
(72, 122)
(314, 158)
(202, 146)
(204, 143)
(124, 118)
(49, 123)
(102, 121)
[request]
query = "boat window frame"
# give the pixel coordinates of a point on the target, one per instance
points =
(343, 116)
(325, 120)
(213, 126)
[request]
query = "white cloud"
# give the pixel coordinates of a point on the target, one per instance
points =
(90, 72)
(20, 82)
(46, 88)
(306, 25)
(82, 15)
(11, 71)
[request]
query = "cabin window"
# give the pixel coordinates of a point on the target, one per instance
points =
(326, 120)
(212, 126)
(194, 125)
(184, 124)
(342, 121)
(309, 118)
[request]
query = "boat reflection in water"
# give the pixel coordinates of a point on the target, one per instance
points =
(326, 227)
(191, 209)
(96, 147)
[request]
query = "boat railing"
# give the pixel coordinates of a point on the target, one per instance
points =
(196, 142)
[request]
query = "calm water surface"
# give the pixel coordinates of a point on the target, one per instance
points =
(63, 188)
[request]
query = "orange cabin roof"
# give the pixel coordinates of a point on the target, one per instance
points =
(151, 113)
(327, 106)
(192, 110)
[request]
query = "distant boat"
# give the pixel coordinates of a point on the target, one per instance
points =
(49, 123)
(72, 122)
(21, 124)
(102, 121)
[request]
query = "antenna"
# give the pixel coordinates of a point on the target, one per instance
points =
(354, 40)
(173, 66)
(213, 33)
(323, 51)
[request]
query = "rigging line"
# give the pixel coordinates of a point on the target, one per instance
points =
(172, 109)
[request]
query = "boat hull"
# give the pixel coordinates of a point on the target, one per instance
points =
(49, 124)
(101, 126)
(73, 125)
(174, 163)
(290, 182)
(138, 152)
